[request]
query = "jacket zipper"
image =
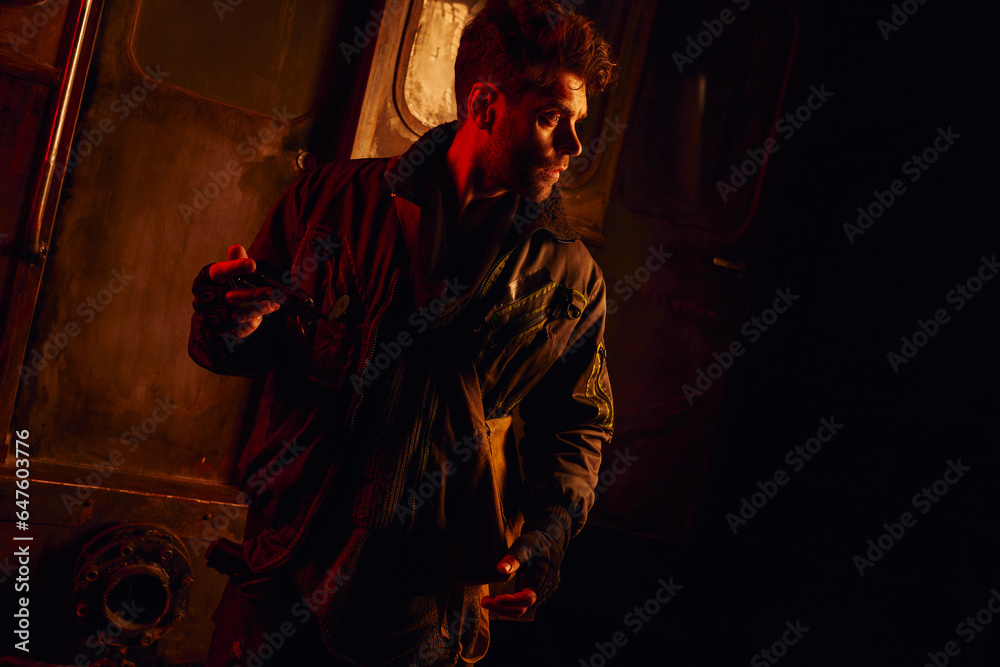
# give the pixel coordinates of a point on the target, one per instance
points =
(499, 261)
(423, 437)
(393, 396)
(392, 288)
(517, 328)
(371, 353)
(599, 392)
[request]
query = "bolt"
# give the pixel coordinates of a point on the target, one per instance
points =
(82, 608)
(126, 550)
(305, 161)
(166, 554)
(187, 582)
(147, 639)
(91, 575)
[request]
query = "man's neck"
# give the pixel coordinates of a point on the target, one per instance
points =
(467, 179)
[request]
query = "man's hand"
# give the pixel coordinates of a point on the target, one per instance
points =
(243, 307)
(510, 605)
(535, 556)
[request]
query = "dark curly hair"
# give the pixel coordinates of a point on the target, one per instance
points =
(520, 45)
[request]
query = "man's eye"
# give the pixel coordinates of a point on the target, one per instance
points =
(551, 119)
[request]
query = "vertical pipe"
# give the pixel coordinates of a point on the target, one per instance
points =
(47, 183)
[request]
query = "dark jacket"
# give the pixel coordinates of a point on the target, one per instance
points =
(411, 389)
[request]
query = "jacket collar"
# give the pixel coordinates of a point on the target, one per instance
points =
(405, 174)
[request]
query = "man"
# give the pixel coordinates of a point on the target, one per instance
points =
(451, 290)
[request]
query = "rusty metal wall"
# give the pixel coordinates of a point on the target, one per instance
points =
(160, 183)
(123, 426)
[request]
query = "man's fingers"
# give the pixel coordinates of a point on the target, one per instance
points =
(223, 271)
(516, 604)
(246, 296)
(508, 565)
(255, 311)
(248, 327)
(525, 598)
(504, 610)
(239, 264)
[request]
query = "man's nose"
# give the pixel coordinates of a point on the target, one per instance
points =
(568, 143)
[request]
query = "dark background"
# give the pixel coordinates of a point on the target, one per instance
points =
(827, 358)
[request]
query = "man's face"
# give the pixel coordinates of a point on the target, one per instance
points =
(535, 138)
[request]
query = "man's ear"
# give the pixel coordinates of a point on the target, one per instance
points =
(483, 106)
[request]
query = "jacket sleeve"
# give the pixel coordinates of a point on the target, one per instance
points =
(211, 343)
(568, 417)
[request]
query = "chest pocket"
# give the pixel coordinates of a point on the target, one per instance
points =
(524, 337)
(324, 267)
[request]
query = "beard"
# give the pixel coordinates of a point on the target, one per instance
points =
(509, 164)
